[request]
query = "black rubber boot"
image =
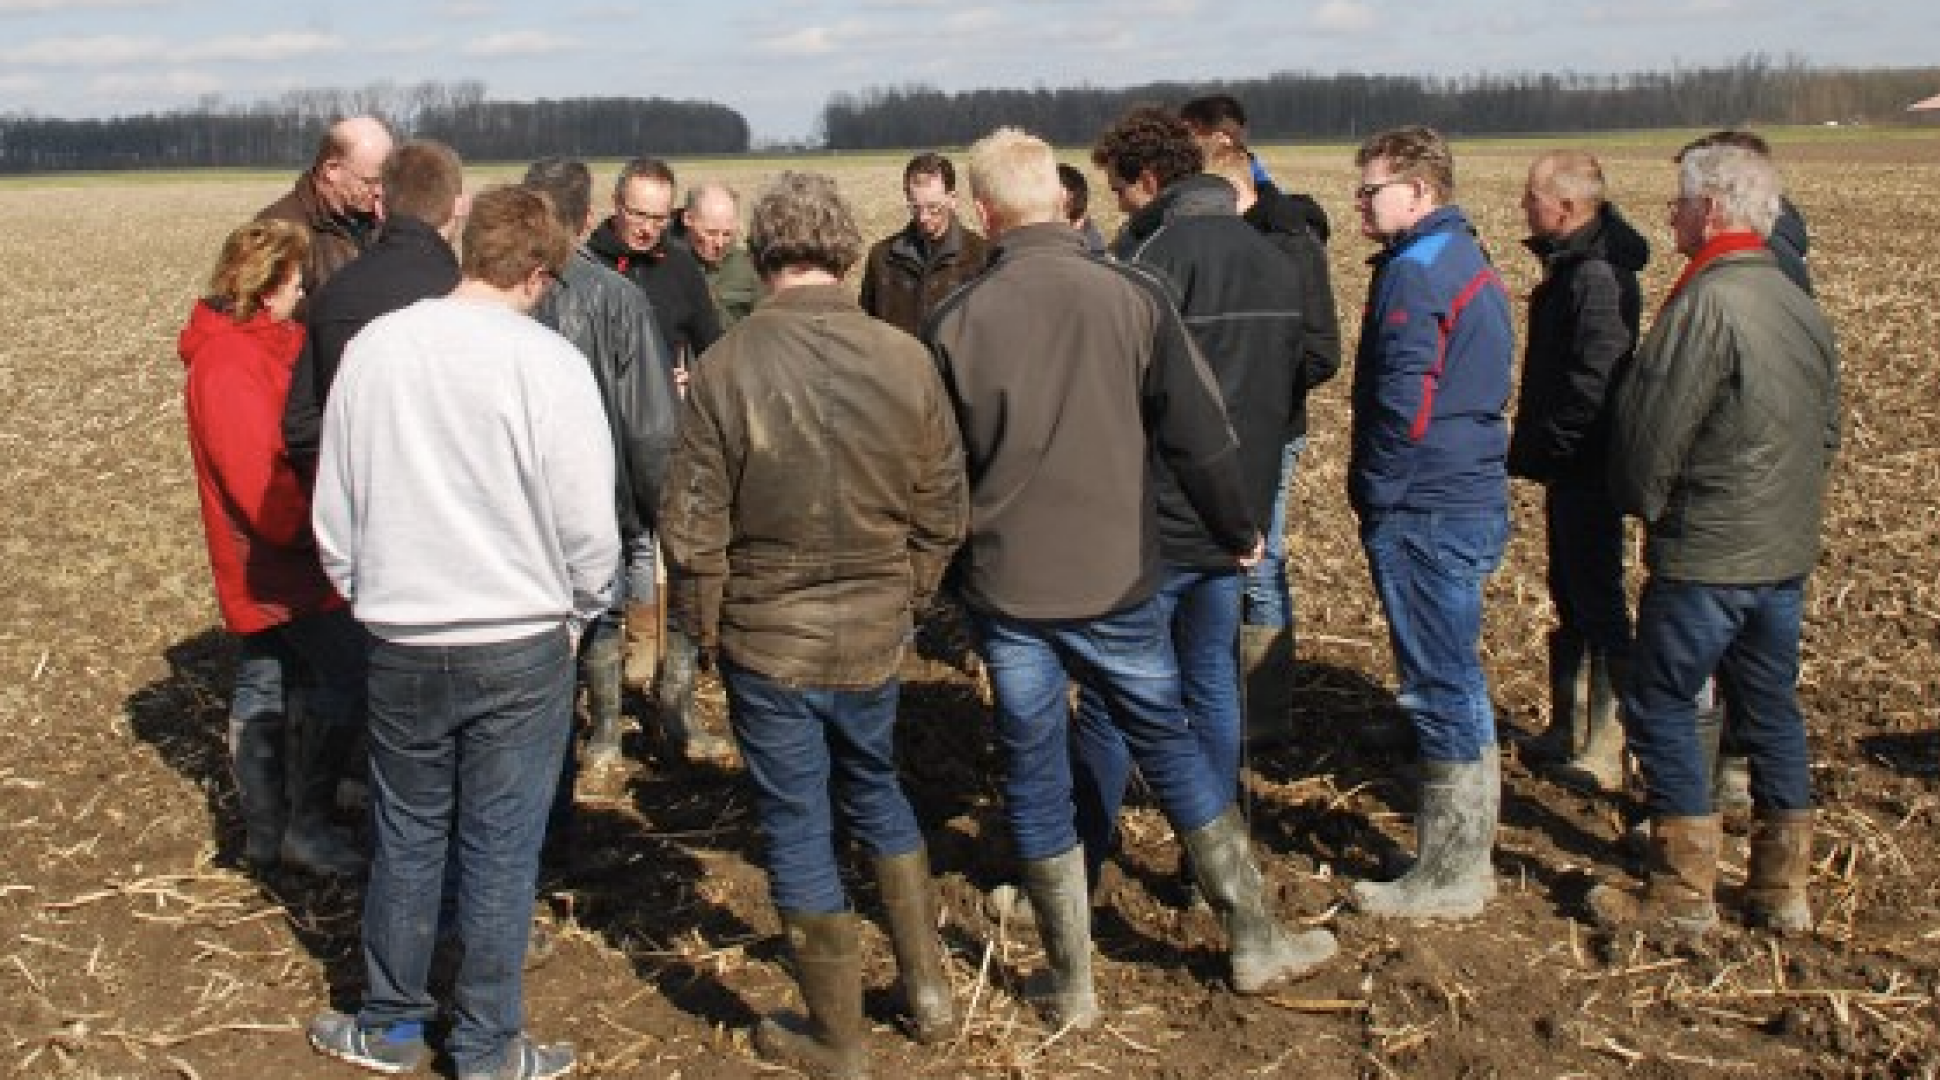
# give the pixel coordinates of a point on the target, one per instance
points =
(1452, 877)
(909, 909)
(1569, 673)
(828, 968)
(319, 746)
(1056, 887)
(1266, 666)
(599, 668)
(258, 749)
(1597, 766)
(1263, 951)
(682, 734)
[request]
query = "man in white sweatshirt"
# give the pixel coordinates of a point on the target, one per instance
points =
(464, 506)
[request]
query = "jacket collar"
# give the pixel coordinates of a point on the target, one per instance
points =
(1200, 195)
(1607, 236)
(1043, 236)
(825, 297)
(1718, 247)
(1440, 219)
(910, 244)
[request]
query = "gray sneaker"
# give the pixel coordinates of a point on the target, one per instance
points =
(528, 1060)
(399, 1048)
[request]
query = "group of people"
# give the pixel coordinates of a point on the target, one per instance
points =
(443, 441)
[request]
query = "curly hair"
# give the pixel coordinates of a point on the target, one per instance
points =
(1149, 137)
(257, 258)
(802, 220)
(1413, 152)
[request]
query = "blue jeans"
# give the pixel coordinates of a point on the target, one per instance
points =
(1585, 545)
(1748, 635)
(466, 743)
(1202, 607)
(810, 753)
(1127, 659)
(320, 656)
(1269, 595)
(1428, 570)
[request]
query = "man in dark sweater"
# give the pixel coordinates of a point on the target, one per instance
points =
(636, 241)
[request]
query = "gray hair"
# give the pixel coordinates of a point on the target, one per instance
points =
(1743, 184)
(1572, 174)
(802, 220)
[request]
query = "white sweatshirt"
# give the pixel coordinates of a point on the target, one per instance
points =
(465, 481)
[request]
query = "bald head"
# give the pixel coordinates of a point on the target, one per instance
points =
(713, 217)
(349, 167)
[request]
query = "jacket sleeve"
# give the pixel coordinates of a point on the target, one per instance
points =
(940, 499)
(1188, 425)
(577, 448)
(871, 273)
(1320, 359)
(644, 396)
(303, 410)
(1600, 342)
(239, 425)
(1663, 402)
(703, 324)
(1396, 411)
(694, 523)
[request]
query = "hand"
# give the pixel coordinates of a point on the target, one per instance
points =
(1252, 558)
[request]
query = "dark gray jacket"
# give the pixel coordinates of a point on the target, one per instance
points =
(610, 321)
(1726, 426)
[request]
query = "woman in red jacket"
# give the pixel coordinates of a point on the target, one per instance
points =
(240, 347)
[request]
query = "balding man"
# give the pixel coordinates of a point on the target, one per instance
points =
(1582, 329)
(339, 198)
(710, 222)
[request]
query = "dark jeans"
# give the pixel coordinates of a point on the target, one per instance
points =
(1585, 545)
(1126, 657)
(1269, 595)
(1428, 570)
(1202, 607)
(319, 656)
(466, 743)
(1748, 635)
(812, 753)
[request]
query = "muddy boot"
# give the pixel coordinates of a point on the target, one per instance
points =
(318, 748)
(642, 634)
(599, 668)
(682, 734)
(1263, 951)
(1569, 689)
(1597, 766)
(1452, 877)
(1266, 666)
(257, 749)
(1682, 875)
(909, 909)
(828, 968)
(1056, 887)
(1781, 865)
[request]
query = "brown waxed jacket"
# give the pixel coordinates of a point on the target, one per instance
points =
(905, 279)
(815, 494)
(334, 239)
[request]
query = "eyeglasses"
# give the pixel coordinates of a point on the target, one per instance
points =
(1367, 192)
(935, 209)
(647, 216)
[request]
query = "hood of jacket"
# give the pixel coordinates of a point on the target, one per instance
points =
(1199, 195)
(1608, 236)
(1274, 210)
(208, 323)
(606, 243)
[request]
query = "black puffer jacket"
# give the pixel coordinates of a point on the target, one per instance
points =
(1298, 226)
(1243, 300)
(1274, 211)
(1583, 319)
(612, 324)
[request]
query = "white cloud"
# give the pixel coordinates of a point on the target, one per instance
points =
(262, 48)
(103, 50)
(123, 50)
(805, 41)
(154, 86)
(465, 9)
(35, 7)
(1344, 17)
(512, 43)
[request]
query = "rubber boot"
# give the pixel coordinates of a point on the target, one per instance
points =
(1679, 883)
(1266, 666)
(1452, 877)
(1569, 676)
(1056, 887)
(318, 748)
(1597, 766)
(909, 909)
(599, 668)
(1731, 786)
(1781, 866)
(681, 731)
(257, 750)
(642, 631)
(828, 969)
(1263, 951)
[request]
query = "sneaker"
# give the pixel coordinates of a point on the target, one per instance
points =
(399, 1048)
(528, 1060)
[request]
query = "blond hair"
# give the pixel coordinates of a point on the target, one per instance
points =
(1015, 175)
(256, 259)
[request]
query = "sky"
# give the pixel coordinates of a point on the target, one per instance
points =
(778, 62)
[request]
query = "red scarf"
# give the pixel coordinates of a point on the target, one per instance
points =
(1726, 243)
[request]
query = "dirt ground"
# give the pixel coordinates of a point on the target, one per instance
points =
(132, 945)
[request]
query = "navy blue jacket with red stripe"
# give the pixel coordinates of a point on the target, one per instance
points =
(1431, 376)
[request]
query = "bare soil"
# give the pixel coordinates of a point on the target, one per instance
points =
(132, 945)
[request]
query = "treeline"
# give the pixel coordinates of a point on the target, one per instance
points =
(1295, 105)
(284, 132)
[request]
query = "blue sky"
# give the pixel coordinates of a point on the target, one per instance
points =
(778, 62)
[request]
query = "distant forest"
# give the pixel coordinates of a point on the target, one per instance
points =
(285, 131)
(1348, 107)
(1285, 106)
